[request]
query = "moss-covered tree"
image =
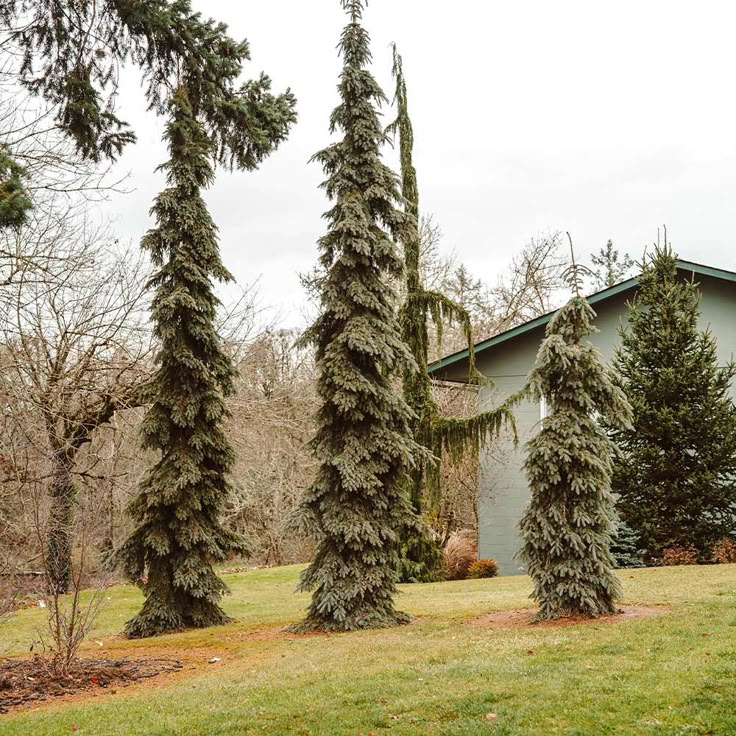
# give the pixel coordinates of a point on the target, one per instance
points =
(675, 480)
(567, 525)
(420, 550)
(363, 443)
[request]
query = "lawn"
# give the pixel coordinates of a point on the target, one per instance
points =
(672, 674)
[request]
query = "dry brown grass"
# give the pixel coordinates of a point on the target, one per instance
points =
(460, 553)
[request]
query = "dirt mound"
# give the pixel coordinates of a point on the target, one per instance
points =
(522, 618)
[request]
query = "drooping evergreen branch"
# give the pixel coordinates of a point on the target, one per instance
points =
(72, 54)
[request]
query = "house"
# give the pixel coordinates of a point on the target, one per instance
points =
(508, 357)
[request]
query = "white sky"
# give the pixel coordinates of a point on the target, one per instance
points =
(604, 119)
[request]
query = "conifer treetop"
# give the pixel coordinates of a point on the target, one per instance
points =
(570, 373)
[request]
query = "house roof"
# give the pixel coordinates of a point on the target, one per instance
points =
(698, 268)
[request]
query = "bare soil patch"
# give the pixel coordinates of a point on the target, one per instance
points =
(27, 681)
(522, 618)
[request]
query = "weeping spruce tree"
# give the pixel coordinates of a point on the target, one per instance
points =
(73, 60)
(181, 498)
(567, 526)
(363, 443)
(421, 553)
(179, 533)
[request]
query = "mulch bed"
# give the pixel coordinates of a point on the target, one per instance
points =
(522, 618)
(24, 682)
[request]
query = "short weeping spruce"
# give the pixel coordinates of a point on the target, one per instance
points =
(567, 526)
(181, 499)
(363, 444)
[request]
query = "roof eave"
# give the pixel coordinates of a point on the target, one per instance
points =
(599, 296)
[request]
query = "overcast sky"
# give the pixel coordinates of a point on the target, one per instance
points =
(604, 119)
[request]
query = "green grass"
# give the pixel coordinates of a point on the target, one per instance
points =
(674, 674)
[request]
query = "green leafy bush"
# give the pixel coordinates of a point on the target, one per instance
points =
(483, 569)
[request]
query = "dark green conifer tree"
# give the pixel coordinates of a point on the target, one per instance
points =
(72, 60)
(178, 508)
(625, 546)
(421, 554)
(14, 199)
(675, 480)
(363, 444)
(566, 528)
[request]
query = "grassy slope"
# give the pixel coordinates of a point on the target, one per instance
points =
(668, 675)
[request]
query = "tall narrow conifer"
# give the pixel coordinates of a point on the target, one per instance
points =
(178, 508)
(567, 525)
(420, 551)
(356, 505)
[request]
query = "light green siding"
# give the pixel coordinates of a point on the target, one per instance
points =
(503, 488)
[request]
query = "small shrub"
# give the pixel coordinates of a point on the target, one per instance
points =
(483, 569)
(459, 554)
(724, 551)
(680, 554)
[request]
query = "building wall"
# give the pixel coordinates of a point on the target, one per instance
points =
(504, 492)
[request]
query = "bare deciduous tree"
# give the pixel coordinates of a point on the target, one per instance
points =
(272, 422)
(74, 352)
(533, 284)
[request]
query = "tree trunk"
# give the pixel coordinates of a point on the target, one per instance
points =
(61, 519)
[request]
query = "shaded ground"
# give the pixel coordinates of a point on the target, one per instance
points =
(24, 682)
(523, 617)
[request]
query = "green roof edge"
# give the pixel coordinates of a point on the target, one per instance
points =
(599, 296)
